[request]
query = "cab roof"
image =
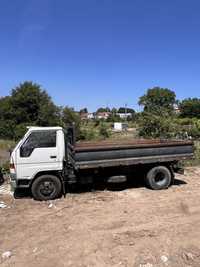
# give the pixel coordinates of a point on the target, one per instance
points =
(36, 128)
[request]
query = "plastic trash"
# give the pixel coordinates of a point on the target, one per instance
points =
(2, 205)
(6, 255)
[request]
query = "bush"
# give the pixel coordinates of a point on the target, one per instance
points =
(5, 167)
(196, 160)
(155, 126)
(87, 134)
(104, 131)
(185, 121)
(194, 130)
(188, 127)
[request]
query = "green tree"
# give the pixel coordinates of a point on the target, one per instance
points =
(32, 104)
(6, 110)
(69, 118)
(152, 125)
(157, 99)
(83, 110)
(113, 117)
(126, 110)
(7, 124)
(7, 129)
(114, 110)
(104, 130)
(28, 104)
(190, 107)
(107, 109)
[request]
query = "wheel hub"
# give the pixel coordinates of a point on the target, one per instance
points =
(47, 188)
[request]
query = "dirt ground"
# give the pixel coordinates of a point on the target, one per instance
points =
(130, 227)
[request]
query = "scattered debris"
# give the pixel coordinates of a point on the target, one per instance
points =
(6, 255)
(146, 265)
(188, 256)
(154, 232)
(164, 258)
(51, 205)
(35, 249)
(2, 205)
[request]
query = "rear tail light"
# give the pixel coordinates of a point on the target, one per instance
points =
(12, 166)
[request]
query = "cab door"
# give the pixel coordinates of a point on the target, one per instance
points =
(39, 152)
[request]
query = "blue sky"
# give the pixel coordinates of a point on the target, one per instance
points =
(100, 52)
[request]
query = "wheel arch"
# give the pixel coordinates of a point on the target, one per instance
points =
(40, 173)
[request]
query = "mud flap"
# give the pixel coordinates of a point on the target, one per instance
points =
(63, 185)
(178, 168)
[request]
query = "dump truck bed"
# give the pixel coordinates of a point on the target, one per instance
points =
(130, 152)
(121, 144)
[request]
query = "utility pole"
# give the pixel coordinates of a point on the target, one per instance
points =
(126, 111)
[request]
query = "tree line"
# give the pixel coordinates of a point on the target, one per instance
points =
(121, 110)
(165, 116)
(28, 104)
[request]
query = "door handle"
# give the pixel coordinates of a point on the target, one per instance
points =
(53, 157)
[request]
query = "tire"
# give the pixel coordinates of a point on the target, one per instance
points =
(1, 179)
(46, 187)
(159, 178)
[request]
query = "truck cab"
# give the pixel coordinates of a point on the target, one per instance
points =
(41, 151)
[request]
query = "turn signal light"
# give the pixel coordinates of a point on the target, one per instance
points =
(12, 166)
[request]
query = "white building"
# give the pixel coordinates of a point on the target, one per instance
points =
(124, 115)
(103, 115)
(90, 116)
(120, 126)
(87, 116)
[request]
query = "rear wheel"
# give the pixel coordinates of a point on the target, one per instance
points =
(159, 178)
(46, 187)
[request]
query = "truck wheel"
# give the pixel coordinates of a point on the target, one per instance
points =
(159, 178)
(46, 187)
(1, 179)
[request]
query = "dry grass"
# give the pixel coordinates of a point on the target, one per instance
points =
(6, 144)
(196, 160)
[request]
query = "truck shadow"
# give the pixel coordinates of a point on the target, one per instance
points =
(179, 182)
(130, 184)
(98, 186)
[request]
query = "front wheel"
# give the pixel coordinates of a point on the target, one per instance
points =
(159, 178)
(46, 187)
(1, 179)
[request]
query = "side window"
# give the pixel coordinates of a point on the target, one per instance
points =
(38, 140)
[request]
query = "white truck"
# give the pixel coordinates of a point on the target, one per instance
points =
(47, 159)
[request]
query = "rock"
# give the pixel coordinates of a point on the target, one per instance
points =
(164, 258)
(6, 255)
(188, 256)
